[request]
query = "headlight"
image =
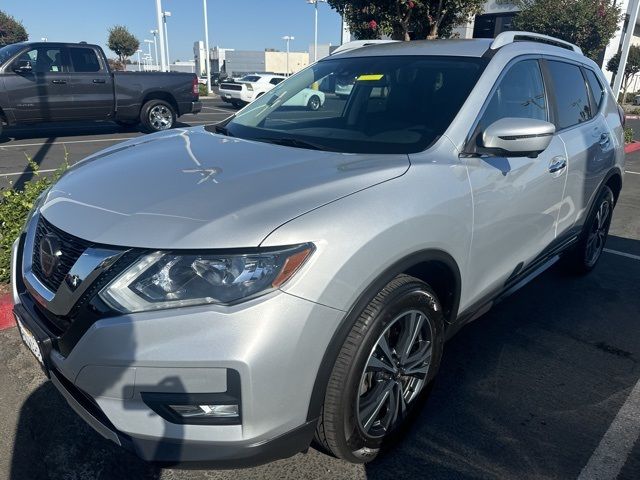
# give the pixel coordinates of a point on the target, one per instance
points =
(169, 279)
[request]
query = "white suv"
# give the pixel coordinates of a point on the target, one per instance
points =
(244, 288)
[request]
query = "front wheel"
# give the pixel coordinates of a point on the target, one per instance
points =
(585, 255)
(390, 356)
(314, 103)
(157, 115)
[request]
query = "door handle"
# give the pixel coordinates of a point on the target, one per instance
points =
(557, 164)
(59, 82)
(604, 140)
(99, 80)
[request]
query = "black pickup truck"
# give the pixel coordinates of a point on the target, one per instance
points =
(44, 82)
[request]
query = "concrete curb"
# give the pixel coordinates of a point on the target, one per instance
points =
(6, 312)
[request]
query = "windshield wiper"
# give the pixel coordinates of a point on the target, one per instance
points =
(292, 142)
(222, 130)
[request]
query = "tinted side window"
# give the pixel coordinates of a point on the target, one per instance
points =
(275, 81)
(84, 60)
(520, 94)
(571, 94)
(596, 87)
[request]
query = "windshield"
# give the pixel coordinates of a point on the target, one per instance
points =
(250, 78)
(388, 104)
(9, 51)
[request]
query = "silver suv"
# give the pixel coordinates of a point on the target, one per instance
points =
(227, 294)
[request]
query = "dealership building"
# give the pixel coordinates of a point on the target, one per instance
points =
(498, 15)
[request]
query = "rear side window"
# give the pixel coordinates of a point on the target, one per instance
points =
(84, 60)
(520, 94)
(571, 94)
(595, 86)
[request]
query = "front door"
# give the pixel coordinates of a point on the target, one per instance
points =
(43, 94)
(516, 199)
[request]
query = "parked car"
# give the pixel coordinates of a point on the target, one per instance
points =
(344, 86)
(309, 98)
(43, 82)
(248, 88)
(286, 276)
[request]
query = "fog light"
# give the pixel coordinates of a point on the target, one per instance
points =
(206, 411)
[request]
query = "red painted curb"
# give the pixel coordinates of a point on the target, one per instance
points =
(6, 312)
(632, 147)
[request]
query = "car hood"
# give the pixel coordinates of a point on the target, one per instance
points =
(189, 188)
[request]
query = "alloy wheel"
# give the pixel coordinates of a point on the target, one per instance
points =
(395, 373)
(598, 233)
(160, 117)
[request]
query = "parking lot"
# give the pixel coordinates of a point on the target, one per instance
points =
(543, 386)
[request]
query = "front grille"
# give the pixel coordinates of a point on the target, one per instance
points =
(70, 246)
(230, 86)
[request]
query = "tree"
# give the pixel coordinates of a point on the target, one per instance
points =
(590, 24)
(11, 30)
(631, 68)
(405, 19)
(122, 42)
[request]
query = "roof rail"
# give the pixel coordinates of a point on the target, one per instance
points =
(510, 37)
(345, 47)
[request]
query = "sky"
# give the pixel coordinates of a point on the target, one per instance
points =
(239, 24)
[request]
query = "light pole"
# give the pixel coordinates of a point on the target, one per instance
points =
(288, 38)
(166, 37)
(315, 36)
(207, 64)
(139, 66)
(149, 42)
(155, 44)
(161, 34)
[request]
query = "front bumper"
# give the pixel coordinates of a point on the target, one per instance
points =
(275, 343)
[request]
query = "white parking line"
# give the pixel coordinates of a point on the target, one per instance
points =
(614, 448)
(13, 174)
(218, 110)
(622, 254)
(632, 173)
(66, 142)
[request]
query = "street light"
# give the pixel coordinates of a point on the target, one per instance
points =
(155, 44)
(166, 37)
(206, 47)
(288, 38)
(149, 42)
(160, 33)
(315, 42)
(139, 66)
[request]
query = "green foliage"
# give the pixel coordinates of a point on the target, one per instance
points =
(15, 206)
(122, 42)
(202, 90)
(628, 134)
(405, 19)
(631, 68)
(590, 24)
(11, 30)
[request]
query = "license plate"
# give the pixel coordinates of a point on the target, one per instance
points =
(30, 341)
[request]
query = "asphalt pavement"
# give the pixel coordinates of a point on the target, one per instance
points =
(544, 386)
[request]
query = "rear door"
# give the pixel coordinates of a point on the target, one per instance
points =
(584, 130)
(516, 199)
(91, 84)
(44, 93)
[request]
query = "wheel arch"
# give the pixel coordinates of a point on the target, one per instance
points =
(435, 267)
(160, 95)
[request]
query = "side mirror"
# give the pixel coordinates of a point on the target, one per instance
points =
(518, 136)
(22, 66)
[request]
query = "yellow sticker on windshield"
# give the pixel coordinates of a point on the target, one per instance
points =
(369, 78)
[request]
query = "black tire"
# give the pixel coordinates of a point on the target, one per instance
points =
(341, 430)
(584, 256)
(157, 115)
(236, 104)
(314, 103)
